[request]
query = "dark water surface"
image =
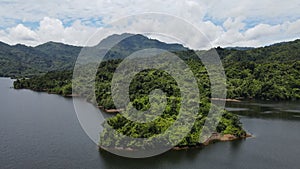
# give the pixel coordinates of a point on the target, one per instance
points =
(38, 130)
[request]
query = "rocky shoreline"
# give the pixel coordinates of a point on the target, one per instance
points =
(216, 137)
(227, 100)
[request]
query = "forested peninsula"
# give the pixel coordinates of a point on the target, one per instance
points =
(266, 73)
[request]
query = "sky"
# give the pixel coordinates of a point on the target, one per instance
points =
(224, 22)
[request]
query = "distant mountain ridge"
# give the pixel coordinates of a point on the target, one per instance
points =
(130, 43)
(279, 52)
(23, 61)
(239, 48)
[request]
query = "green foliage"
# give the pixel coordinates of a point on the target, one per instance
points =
(281, 52)
(264, 81)
(263, 73)
(24, 61)
(140, 87)
(52, 82)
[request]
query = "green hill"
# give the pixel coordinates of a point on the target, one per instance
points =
(23, 61)
(264, 73)
(281, 52)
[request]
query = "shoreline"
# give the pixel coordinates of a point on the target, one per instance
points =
(112, 110)
(227, 100)
(216, 137)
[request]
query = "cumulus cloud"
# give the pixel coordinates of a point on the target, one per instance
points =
(22, 33)
(266, 10)
(49, 29)
(260, 35)
(224, 23)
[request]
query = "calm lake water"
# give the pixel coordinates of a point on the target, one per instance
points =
(38, 130)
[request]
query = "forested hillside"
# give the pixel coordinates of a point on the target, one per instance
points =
(266, 73)
(281, 52)
(23, 61)
(140, 88)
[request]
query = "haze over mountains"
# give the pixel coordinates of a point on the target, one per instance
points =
(23, 61)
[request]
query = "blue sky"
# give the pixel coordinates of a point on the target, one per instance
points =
(224, 22)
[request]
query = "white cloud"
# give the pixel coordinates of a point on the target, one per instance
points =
(49, 30)
(293, 29)
(262, 31)
(235, 24)
(66, 21)
(255, 9)
(260, 35)
(22, 33)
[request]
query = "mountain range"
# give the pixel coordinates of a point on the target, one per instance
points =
(24, 61)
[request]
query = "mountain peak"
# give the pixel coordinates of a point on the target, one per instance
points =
(122, 45)
(53, 43)
(141, 40)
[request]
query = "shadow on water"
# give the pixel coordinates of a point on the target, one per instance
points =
(236, 145)
(42, 131)
(172, 157)
(266, 109)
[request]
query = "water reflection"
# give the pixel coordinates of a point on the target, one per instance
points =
(266, 109)
(162, 161)
(38, 130)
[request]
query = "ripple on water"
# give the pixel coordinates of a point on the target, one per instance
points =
(233, 109)
(292, 111)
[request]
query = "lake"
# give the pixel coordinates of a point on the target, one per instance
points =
(39, 130)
